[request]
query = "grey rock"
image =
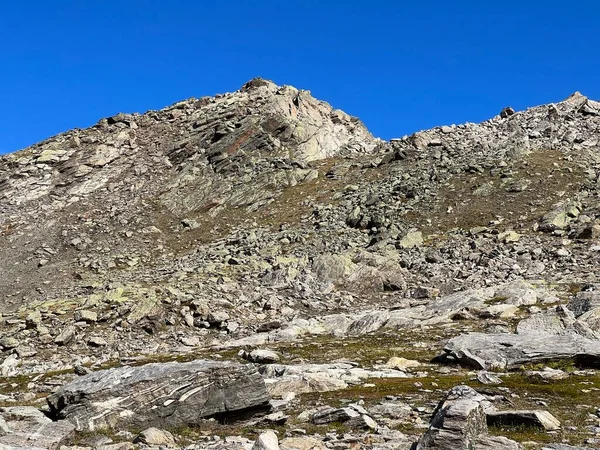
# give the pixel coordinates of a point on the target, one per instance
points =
(160, 394)
(558, 321)
(8, 342)
(583, 302)
(28, 427)
(363, 421)
(510, 351)
(507, 112)
(86, 316)
(66, 336)
(547, 374)
(412, 240)
(266, 441)
(263, 356)
(488, 378)
(155, 436)
(459, 423)
(328, 415)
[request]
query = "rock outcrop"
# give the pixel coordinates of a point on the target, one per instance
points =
(160, 394)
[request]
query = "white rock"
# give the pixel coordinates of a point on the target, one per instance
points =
(266, 441)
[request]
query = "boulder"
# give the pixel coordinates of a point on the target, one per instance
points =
(398, 363)
(28, 427)
(262, 356)
(411, 240)
(459, 423)
(155, 436)
(329, 415)
(502, 351)
(557, 321)
(160, 394)
(550, 335)
(266, 441)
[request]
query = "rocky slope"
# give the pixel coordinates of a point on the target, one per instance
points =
(350, 280)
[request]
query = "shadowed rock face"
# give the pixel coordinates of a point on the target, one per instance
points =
(168, 394)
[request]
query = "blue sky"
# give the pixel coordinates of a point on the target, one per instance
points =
(399, 66)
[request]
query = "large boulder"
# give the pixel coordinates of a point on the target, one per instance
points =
(503, 351)
(160, 394)
(459, 423)
(551, 335)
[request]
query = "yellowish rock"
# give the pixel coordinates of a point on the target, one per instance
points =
(401, 363)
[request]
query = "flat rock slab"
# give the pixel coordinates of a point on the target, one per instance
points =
(160, 394)
(510, 351)
(27, 427)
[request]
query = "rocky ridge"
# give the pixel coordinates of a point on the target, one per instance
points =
(331, 285)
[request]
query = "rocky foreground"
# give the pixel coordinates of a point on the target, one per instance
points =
(255, 270)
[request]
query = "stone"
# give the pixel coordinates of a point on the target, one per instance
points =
(190, 224)
(217, 318)
(546, 374)
(488, 378)
(160, 394)
(508, 237)
(267, 440)
(9, 342)
(328, 415)
(556, 321)
(97, 341)
(583, 302)
(28, 427)
(412, 240)
(401, 363)
(263, 356)
(155, 436)
(510, 351)
(86, 316)
(302, 443)
(66, 335)
(459, 423)
(363, 421)
(33, 319)
(533, 418)
(190, 341)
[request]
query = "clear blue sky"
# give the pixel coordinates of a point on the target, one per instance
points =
(399, 66)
